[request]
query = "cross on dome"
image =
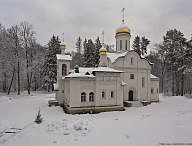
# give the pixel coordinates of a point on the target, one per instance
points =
(103, 37)
(63, 37)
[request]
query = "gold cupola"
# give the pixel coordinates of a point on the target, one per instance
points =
(103, 50)
(123, 28)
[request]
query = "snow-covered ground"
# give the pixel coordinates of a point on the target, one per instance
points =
(166, 122)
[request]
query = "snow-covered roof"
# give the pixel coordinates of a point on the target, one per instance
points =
(113, 56)
(87, 72)
(152, 77)
(83, 73)
(79, 75)
(63, 57)
(105, 69)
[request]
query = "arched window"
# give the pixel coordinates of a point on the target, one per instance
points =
(112, 94)
(64, 69)
(103, 94)
(126, 45)
(83, 97)
(132, 61)
(120, 44)
(143, 82)
(91, 97)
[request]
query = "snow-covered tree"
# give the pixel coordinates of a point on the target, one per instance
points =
(28, 44)
(140, 45)
(89, 54)
(173, 43)
(97, 47)
(77, 58)
(50, 66)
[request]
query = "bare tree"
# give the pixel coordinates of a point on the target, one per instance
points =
(27, 42)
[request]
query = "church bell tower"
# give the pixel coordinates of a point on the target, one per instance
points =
(123, 35)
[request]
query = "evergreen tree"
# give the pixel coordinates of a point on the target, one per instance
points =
(140, 45)
(38, 118)
(136, 45)
(97, 47)
(50, 66)
(144, 43)
(173, 43)
(77, 58)
(85, 53)
(91, 53)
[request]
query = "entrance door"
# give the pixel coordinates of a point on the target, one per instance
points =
(130, 95)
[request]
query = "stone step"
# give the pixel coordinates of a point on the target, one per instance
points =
(136, 104)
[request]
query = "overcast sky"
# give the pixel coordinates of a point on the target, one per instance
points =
(88, 18)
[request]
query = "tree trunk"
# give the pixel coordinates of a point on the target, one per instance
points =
(173, 81)
(162, 77)
(177, 84)
(5, 83)
(182, 80)
(18, 76)
(11, 81)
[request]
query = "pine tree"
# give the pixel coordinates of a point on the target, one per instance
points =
(144, 43)
(140, 46)
(38, 118)
(85, 53)
(91, 54)
(77, 58)
(50, 66)
(136, 45)
(173, 43)
(97, 47)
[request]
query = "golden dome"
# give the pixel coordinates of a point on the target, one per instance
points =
(123, 29)
(63, 45)
(102, 50)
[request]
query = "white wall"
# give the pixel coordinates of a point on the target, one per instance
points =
(122, 37)
(140, 68)
(155, 87)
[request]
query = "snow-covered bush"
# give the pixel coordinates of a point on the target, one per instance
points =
(78, 126)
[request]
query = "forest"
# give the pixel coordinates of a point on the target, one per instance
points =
(27, 65)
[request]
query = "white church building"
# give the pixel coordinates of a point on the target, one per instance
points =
(121, 78)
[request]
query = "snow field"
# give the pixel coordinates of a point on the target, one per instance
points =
(168, 121)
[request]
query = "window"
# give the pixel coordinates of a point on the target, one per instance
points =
(83, 97)
(62, 91)
(126, 45)
(157, 90)
(131, 76)
(143, 82)
(91, 97)
(103, 94)
(64, 69)
(116, 45)
(152, 90)
(131, 60)
(112, 94)
(120, 44)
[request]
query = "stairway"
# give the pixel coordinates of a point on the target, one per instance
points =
(136, 104)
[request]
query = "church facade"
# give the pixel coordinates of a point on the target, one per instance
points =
(120, 79)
